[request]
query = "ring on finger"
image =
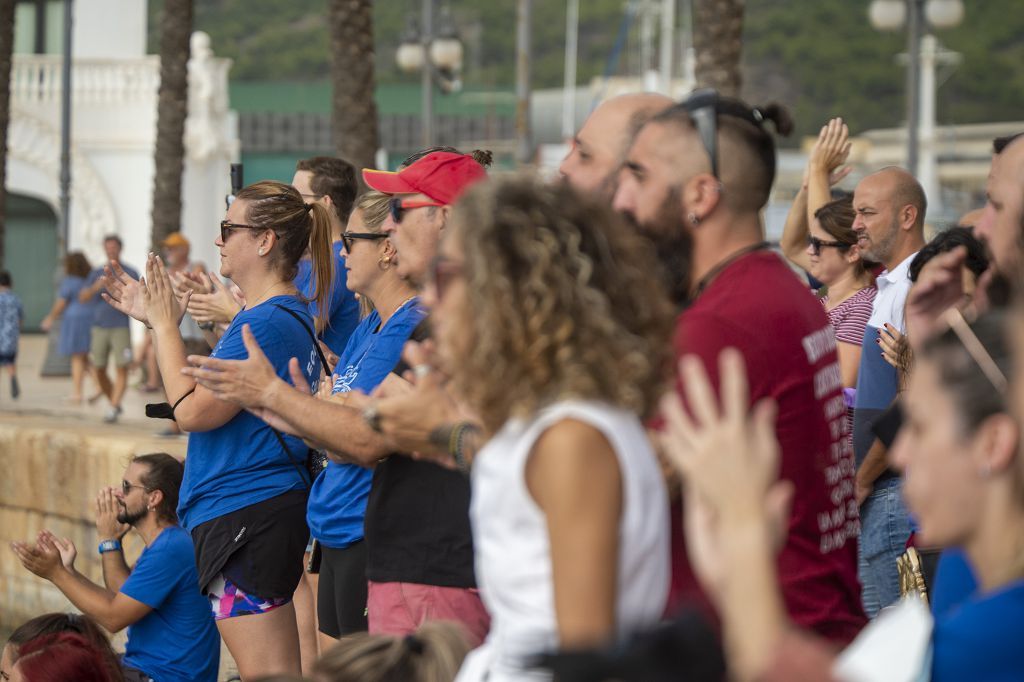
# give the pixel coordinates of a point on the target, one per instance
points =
(371, 415)
(422, 370)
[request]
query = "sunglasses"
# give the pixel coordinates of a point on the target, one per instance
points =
(442, 273)
(126, 487)
(398, 207)
(226, 227)
(348, 238)
(704, 107)
(818, 244)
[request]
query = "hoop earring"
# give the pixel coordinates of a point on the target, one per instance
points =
(384, 262)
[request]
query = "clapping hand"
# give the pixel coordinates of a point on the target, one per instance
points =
(217, 303)
(67, 550)
(123, 292)
(164, 308)
(107, 510)
(43, 559)
(729, 458)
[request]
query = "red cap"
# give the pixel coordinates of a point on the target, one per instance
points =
(442, 176)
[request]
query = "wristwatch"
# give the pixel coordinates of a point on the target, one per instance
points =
(109, 546)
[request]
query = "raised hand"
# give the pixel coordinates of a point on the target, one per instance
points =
(42, 559)
(939, 287)
(67, 550)
(107, 509)
(832, 147)
(217, 304)
(729, 458)
(163, 306)
(123, 292)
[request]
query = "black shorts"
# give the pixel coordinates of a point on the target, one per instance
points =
(8, 359)
(259, 547)
(341, 594)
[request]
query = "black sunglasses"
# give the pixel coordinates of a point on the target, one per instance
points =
(126, 487)
(817, 244)
(704, 107)
(226, 227)
(347, 238)
(397, 206)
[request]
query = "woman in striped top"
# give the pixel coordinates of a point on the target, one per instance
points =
(818, 237)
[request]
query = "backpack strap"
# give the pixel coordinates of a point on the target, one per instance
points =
(316, 342)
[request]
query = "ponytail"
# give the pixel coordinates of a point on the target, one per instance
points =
(321, 252)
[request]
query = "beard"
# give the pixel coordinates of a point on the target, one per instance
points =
(130, 517)
(673, 244)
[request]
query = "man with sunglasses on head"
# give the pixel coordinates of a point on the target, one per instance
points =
(695, 181)
(171, 633)
(418, 539)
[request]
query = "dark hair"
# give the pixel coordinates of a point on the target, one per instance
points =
(1001, 143)
(836, 217)
(5, 278)
(335, 178)
(76, 264)
(53, 623)
(62, 657)
(746, 149)
(482, 156)
(279, 207)
(163, 473)
(947, 240)
(114, 238)
(972, 392)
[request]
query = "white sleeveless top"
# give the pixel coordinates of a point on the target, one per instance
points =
(510, 539)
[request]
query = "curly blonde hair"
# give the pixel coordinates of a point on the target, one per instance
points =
(565, 302)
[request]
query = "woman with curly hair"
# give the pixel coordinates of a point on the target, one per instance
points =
(552, 326)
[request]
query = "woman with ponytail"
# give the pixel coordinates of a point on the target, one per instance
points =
(243, 498)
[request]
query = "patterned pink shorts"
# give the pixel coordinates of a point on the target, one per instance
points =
(228, 600)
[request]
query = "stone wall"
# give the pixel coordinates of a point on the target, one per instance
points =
(52, 468)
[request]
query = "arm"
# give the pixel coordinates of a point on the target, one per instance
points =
(115, 570)
(828, 154)
(874, 465)
(582, 514)
(114, 611)
(58, 308)
(89, 291)
(253, 384)
(849, 362)
(794, 233)
(199, 411)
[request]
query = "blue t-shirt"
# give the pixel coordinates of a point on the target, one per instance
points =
(344, 313)
(104, 315)
(11, 315)
(177, 641)
(337, 502)
(982, 636)
(242, 462)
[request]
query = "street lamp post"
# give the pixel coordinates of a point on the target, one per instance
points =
(919, 16)
(436, 55)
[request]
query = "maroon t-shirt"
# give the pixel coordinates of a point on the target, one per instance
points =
(758, 306)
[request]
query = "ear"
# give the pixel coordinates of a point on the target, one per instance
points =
(388, 249)
(701, 195)
(267, 241)
(853, 254)
(908, 216)
(997, 441)
(156, 497)
(442, 216)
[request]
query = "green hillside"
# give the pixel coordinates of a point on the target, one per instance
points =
(821, 57)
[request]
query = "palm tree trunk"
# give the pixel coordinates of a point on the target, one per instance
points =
(354, 109)
(6, 50)
(175, 33)
(718, 41)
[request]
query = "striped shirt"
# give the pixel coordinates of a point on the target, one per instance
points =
(851, 316)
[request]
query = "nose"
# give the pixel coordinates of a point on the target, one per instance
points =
(624, 200)
(565, 168)
(983, 229)
(898, 453)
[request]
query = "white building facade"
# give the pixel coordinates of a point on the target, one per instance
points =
(114, 86)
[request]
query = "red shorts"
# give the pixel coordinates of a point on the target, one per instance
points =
(400, 608)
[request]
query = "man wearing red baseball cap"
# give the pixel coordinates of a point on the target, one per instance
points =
(423, 192)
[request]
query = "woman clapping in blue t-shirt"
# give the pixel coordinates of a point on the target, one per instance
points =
(243, 498)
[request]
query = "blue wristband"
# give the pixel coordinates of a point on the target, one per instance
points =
(109, 546)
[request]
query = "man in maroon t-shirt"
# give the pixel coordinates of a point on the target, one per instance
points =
(695, 181)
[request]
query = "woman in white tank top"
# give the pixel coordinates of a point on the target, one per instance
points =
(553, 327)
